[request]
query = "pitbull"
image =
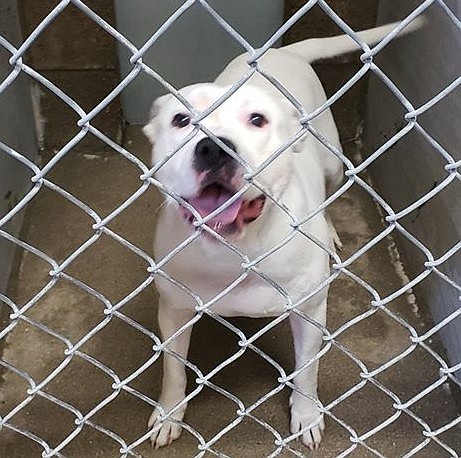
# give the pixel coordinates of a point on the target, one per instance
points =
(246, 197)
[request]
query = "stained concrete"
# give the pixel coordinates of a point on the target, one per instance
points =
(104, 181)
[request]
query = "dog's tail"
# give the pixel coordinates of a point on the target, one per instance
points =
(314, 49)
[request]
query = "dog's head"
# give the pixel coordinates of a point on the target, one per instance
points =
(251, 125)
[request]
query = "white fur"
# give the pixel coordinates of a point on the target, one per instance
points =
(301, 178)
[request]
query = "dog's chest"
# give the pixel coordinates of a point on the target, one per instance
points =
(227, 287)
(237, 282)
(242, 295)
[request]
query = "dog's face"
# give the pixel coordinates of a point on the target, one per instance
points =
(251, 125)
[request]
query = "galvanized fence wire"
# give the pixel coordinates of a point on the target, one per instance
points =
(154, 267)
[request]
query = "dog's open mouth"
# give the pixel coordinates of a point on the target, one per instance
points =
(230, 219)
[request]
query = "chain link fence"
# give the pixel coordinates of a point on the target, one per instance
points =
(22, 315)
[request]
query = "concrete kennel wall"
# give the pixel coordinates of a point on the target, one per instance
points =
(17, 130)
(194, 49)
(80, 58)
(422, 65)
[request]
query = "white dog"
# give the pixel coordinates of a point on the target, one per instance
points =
(217, 180)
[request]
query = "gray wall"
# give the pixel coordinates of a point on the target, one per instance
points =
(422, 65)
(194, 49)
(17, 130)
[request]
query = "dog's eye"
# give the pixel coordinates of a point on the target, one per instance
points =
(180, 120)
(257, 120)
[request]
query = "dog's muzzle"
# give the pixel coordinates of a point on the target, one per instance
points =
(210, 157)
(221, 176)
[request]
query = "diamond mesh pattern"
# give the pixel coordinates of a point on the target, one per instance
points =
(35, 390)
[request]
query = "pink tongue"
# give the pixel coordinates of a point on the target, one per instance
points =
(211, 199)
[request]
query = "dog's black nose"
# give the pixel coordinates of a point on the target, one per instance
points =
(210, 156)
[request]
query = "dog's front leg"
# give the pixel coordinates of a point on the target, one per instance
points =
(304, 412)
(174, 374)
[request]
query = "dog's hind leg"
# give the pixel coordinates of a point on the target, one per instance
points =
(174, 375)
(335, 240)
(305, 415)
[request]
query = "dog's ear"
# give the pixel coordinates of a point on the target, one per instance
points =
(150, 129)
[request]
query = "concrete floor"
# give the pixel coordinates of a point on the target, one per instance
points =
(57, 227)
(103, 181)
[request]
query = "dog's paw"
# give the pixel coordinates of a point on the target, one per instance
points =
(337, 242)
(168, 431)
(311, 424)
